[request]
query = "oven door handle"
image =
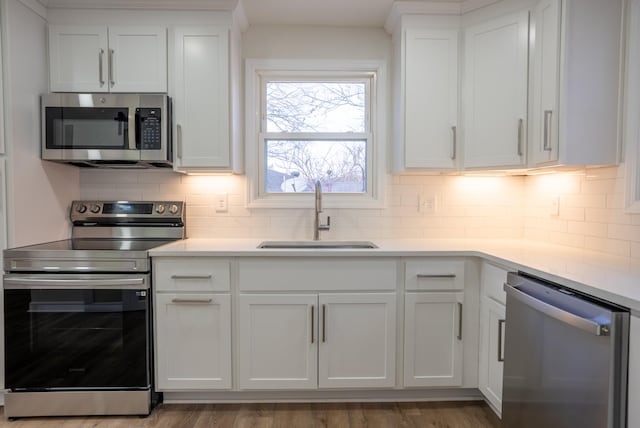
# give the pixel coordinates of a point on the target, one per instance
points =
(12, 282)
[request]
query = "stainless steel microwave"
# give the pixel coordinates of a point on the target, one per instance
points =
(107, 130)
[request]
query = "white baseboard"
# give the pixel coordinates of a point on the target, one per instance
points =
(470, 394)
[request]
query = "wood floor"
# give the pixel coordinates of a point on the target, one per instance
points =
(334, 415)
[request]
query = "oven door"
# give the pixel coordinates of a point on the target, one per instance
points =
(75, 332)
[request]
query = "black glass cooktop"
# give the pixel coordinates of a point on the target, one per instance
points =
(86, 244)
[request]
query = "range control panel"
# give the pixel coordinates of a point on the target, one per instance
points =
(140, 211)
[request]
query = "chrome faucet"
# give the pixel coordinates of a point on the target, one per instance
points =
(317, 227)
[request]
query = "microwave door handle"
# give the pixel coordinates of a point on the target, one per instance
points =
(133, 128)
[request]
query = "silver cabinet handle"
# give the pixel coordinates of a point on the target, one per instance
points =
(324, 323)
(111, 77)
(100, 63)
(454, 138)
(313, 336)
(459, 336)
(179, 132)
(191, 276)
(520, 123)
(196, 301)
(436, 275)
(546, 144)
(500, 352)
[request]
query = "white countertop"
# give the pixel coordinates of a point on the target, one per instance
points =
(615, 279)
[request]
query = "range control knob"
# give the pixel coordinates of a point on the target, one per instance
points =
(95, 209)
(82, 208)
(160, 209)
(173, 209)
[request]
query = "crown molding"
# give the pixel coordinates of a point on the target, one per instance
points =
(38, 6)
(226, 5)
(400, 8)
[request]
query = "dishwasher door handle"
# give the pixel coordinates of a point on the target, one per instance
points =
(559, 314)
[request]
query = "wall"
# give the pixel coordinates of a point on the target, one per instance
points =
(467, 207)
(591, 211)
(38, 192)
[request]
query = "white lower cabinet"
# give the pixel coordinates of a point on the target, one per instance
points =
(193, 341)
(492, 329)
(492, 323)
(433, 346)
(633, 406)
(192, 313)
(306, 341)
(278, 341)
(357, 340)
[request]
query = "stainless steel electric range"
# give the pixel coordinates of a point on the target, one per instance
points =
(77, 312)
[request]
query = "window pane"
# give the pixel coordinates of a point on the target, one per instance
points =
(315, 107)
(294, 166)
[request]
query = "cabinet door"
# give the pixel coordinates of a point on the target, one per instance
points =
(201, 99)
(193, 341)
(633, 398)
(433, 339)
(496, 92)
(137, 59)
(357, 340)
(492, 323)
(430, 90)
(546, 81)
(78, 57)
(278, 341)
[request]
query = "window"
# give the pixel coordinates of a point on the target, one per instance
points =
(312, 125)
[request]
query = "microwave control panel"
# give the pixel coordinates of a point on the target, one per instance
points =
(149, 128)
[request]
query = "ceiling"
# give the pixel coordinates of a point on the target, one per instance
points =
(362, 13)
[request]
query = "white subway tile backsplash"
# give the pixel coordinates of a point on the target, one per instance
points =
(592, 204)
(611, 246)
(571, 213)
(591, 211)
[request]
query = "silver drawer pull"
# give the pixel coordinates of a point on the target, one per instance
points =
(201, 301)
(520, 122)
(459, 336)
(436, 276)
(546, 142)
(500, 350)
(191, 276)
(454, 140)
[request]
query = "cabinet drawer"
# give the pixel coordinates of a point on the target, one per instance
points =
(326, 274)
(492, 280)
(434, 275)
(191, 274)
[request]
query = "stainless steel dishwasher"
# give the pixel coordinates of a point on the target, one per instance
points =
(566, 357)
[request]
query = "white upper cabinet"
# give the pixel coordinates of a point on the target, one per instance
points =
(576, 79)
(426, 126)
(102, 59)
(201, 98)
(495, 103)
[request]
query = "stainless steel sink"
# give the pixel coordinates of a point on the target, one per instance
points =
(317, 244)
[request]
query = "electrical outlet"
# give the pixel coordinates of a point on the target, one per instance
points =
(554, 206)
(222, 202)
(428, 204)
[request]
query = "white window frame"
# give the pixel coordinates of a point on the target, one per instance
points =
(256, 70)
